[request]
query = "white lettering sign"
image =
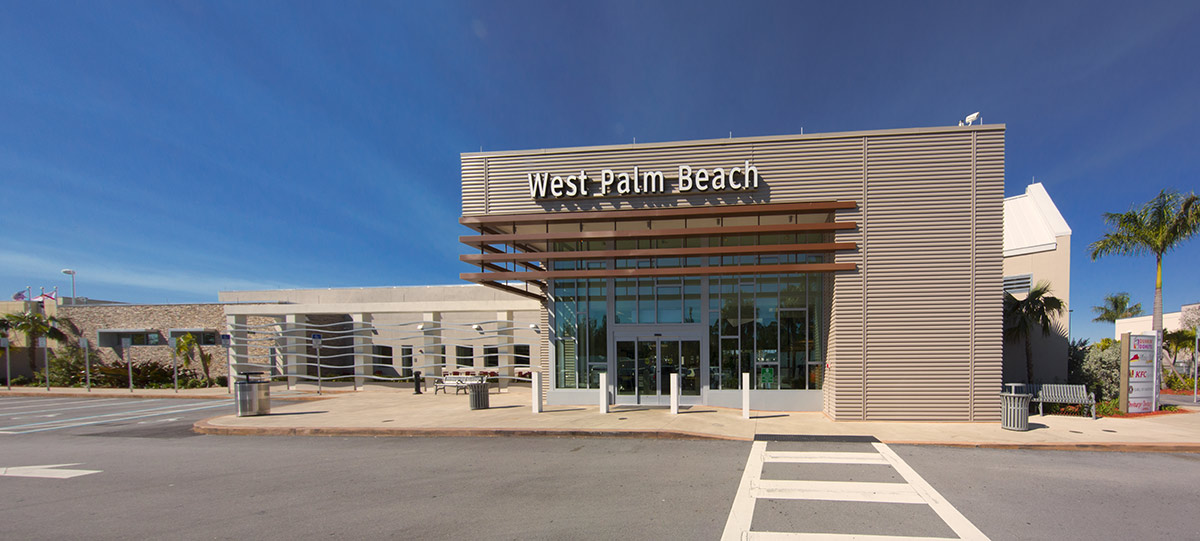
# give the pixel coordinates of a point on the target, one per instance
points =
(1141, 373)
(607, 182)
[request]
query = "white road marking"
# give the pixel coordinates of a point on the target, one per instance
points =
(47, 471)
(89, 404)
(949, 514)
(99, 416)
(743, 503)
(789, 536)
(76, 425)
(47, 416)
(839, 491)
(39, 402)
(915, 490)
(796, 457)
(167, 420)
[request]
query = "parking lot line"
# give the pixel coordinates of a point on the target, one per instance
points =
(6, 428)
(102, 421)
(35, 402)
(88, 404)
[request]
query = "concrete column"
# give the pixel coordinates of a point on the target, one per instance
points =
(674, 393)
(745, 395)
(239, 350)
(604, 392)
(432, 364)
(362, 349)
(536, 393)
(294, 348)
(504, 345)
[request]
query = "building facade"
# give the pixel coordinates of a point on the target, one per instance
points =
(1037, 248)
(854, 273)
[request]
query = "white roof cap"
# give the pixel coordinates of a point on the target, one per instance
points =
(1032, 223)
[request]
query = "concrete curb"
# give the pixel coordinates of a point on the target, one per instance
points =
(205, 427)
(1113, 447)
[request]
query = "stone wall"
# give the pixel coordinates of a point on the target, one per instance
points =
(156, 318)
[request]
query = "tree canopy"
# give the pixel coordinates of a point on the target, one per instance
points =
(1159, 226)
(1116, 306)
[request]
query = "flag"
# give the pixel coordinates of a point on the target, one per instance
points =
(19, 296)
(44, 297)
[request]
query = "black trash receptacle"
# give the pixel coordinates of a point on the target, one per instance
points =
(253, 394)
(479, 395)
(1015, 413)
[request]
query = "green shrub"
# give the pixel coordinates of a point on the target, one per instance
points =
(1176, 382)
(21, 381)
(145, 375)
(1108, 408)
(66, 368)
(1101, 372)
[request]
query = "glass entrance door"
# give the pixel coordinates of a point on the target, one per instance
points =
(645, 365)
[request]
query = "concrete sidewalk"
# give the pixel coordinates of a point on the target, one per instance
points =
(394, 412)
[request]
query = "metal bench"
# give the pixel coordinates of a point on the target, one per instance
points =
(458, 383)
(1059, 393)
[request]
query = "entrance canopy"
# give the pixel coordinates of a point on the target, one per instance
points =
(519, 253)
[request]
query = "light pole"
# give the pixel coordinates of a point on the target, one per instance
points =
(71, 272)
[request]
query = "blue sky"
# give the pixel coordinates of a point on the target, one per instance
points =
(170, 150)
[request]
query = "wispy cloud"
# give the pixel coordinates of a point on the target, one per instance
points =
(173, 280)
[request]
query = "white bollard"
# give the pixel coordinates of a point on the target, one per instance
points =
(537, 392)
(675, 393)
(603, 392)
(745, 395)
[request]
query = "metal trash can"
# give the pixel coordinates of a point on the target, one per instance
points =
(479, 395)
(1014, 414)
(253, 394)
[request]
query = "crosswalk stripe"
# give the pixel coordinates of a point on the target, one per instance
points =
(951, 516)
(798, 457)
(914, 490)
(842, 491)
(743, 503)
(790, 536)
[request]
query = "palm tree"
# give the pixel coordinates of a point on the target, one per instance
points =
(185, 346)
(36, 325)
(1161, 225)
(1116, 307)
(1022, 316)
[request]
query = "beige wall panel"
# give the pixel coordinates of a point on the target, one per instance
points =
(915, 333)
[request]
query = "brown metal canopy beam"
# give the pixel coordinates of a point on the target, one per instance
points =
(513, 290)
(676, 271)
(477, 240)
(815, 247)
(661, 213)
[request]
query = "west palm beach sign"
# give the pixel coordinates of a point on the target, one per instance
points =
(608, 182)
